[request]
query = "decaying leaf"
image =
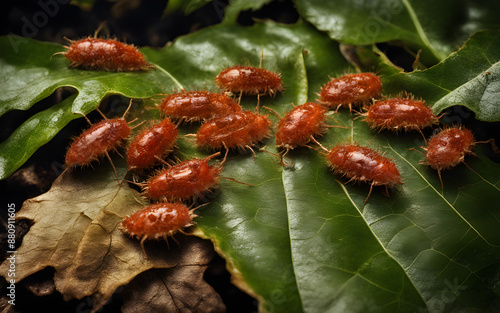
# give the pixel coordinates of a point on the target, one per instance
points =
(75, 231)
(5, 307)
(177, 289)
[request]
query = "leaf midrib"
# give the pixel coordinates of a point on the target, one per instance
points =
(170, 76)
(420, 30)
(344, 189)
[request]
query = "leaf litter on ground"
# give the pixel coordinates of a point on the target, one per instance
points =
(75, 231)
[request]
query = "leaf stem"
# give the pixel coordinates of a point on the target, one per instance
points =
(171, 77)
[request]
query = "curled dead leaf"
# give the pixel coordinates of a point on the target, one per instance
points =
(75, 231)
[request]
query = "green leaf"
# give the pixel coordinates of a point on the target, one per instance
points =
(32, 134)
(31, 72)
(235, 7)
(228, 12)
(384, 257)
(469, 77)
(301, 239)
(185, 6)
(405, 253)
(436, 27)
(260, 245)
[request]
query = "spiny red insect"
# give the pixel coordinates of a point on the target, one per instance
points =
(351, 90)
(97, 141)
(186, 180)
(151, 145)
(400, 113)
(300, 125)
(105, 55)
(363, 164)
(238, 130)
(448, 148)
(160, 220)
(249, 80)
(198, 105)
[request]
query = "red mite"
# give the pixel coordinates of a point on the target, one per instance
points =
(300, 124)
(238, 130)
(184, 181)
(198, 105)
(448, 148)
(249, 80)
(156, 221)
(97, 141)
(151, 145)
(105, 55)
(400, 113)
(363, 164)
(351, 90)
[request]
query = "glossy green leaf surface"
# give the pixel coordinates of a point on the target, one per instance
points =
(469, 77)
(31, 72)
(249, 224)
(300, 239)
(33, 133)
(409, 251)
(436, 27)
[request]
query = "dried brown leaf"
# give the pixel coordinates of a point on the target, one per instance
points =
(75, 231)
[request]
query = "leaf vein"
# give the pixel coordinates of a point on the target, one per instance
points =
(442, 197)
(378, 240)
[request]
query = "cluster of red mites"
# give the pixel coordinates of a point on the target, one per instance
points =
(306, 121)
(359, 163)
(226, 126)
(444, 150)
